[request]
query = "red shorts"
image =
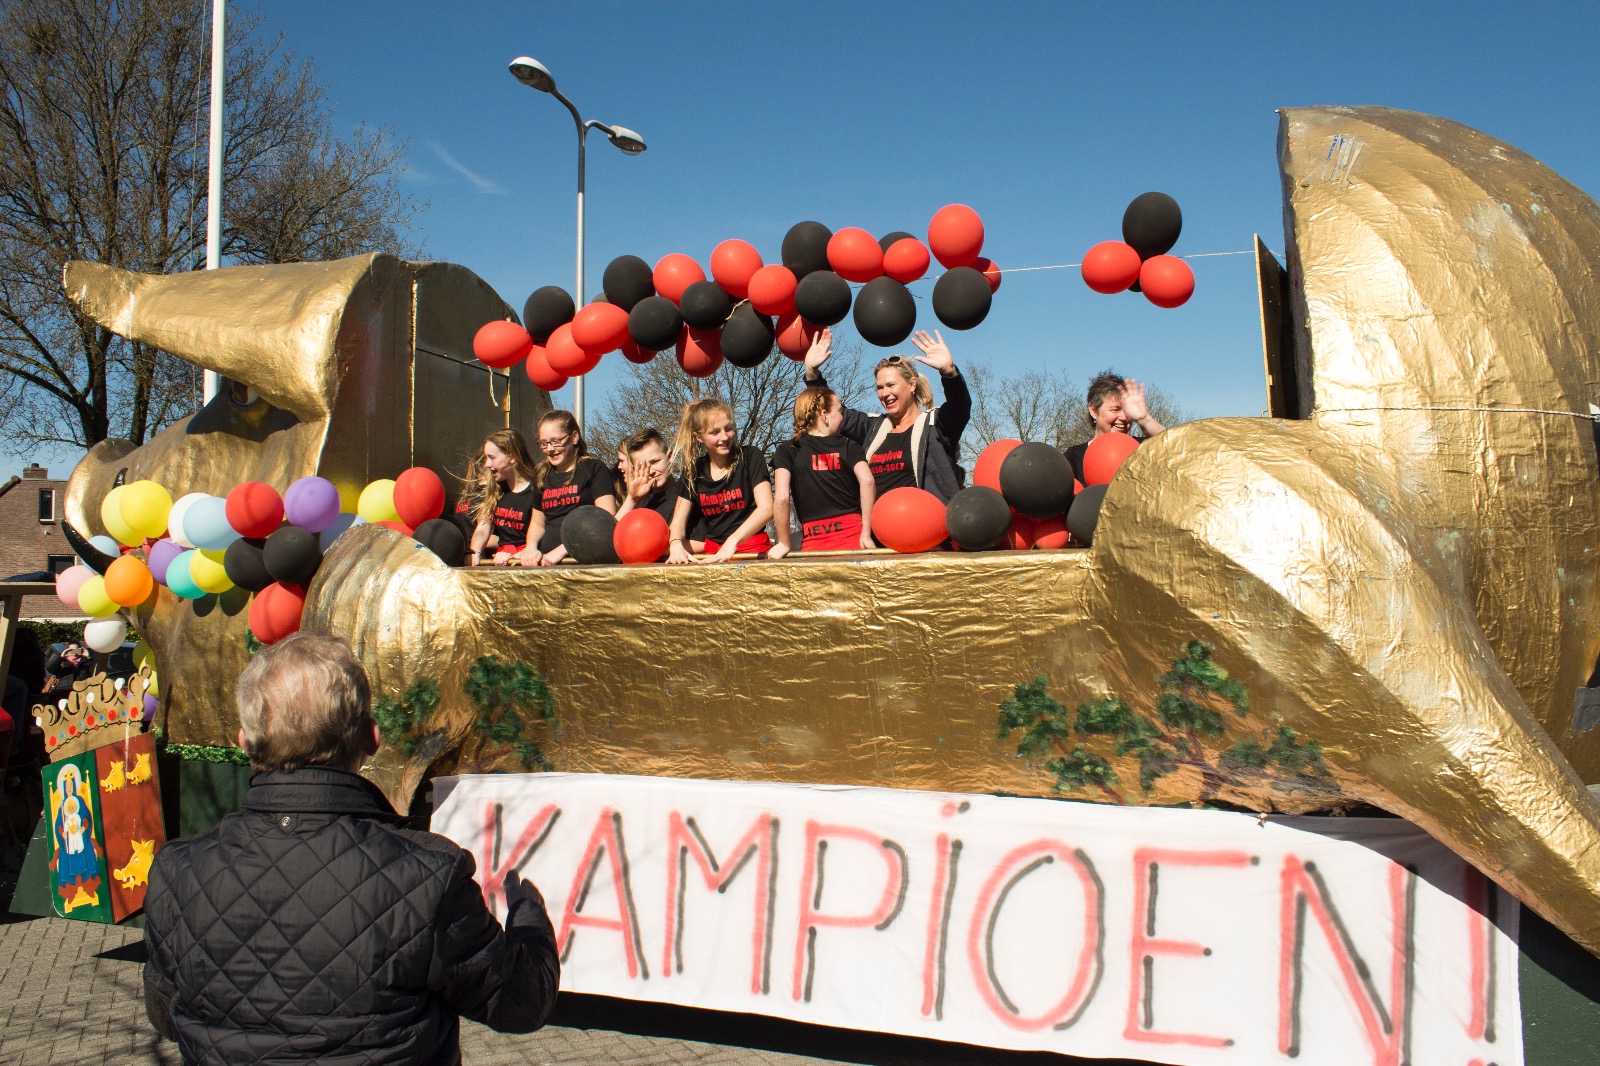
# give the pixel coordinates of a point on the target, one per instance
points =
(509, 549)
(749, 546)
(839, 533)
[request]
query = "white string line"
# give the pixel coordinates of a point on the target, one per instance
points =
(1070, 266)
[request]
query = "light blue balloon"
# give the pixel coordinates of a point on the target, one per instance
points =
(345, 521)
(179, 580)
(105, 544)
(206, 523)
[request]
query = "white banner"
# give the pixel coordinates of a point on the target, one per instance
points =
(1171, 935)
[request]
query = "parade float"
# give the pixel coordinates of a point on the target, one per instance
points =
(829, 789)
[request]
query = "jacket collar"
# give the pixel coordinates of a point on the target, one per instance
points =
(317, 790)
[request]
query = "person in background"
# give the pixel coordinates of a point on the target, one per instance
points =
(649, 482)
(464, 513)
(828, 478)
(722, 484)
(1116, 405)
(71, 663)
(312, 926)
(567, 476)
(912, 442)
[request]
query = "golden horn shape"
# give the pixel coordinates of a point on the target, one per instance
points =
(274, 328)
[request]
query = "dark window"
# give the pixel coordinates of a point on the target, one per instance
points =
(61, 563)
(47, 505)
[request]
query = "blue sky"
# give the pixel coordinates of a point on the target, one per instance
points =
(1045, 117)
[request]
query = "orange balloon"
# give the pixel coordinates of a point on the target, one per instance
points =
(1110, 266)
(795, 335)
(600, 327)
(772, 290)
(906, 260)
(1105, 454)
(990, 272)
(986, 471)
(733, 264)
(956, 235)
(275, 611)
(1020, 536)
(566, 356)
(909, 520)
(699, 351)
(855, 254)
(1166, 281)
(128, 581)
(501, 344)
(1051, 533)
(641, 536)
(540, 372)
(674, 273)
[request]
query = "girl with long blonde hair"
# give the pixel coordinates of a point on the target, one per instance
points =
(723, 485)
(827, 477)
(506, 500)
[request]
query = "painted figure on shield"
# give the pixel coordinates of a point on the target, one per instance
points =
(77, 864)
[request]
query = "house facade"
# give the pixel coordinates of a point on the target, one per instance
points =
(30, 536)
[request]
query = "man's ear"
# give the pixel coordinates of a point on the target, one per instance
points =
(373, 740)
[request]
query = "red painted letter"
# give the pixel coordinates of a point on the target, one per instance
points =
(607, 839)
(683, 839)
(811, 880)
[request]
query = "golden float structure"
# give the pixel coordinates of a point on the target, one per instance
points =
(1385, 594)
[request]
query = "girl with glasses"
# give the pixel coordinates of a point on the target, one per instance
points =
(567, 477)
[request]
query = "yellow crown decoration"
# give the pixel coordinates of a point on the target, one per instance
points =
(98, 711)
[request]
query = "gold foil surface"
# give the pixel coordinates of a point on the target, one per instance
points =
(1391, 601)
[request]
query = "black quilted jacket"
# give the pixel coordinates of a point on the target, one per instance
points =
(312, 927)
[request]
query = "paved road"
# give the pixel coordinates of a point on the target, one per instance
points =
(70, 993)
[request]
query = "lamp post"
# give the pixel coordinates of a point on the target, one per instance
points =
(536, 75)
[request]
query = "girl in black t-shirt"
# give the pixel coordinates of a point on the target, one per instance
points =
(567, 477)
(506, 500)
(722, 484)
(828, 476)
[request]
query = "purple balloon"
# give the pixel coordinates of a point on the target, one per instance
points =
(151, 704)
(312, 503)
(162, 552)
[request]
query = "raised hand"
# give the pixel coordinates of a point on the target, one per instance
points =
(935, 352)
(821, 348)
(1133, 404)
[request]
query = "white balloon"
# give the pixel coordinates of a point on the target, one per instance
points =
(175, 518)
(105, 635)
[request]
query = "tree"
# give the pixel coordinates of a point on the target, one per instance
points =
(1039, 405)
(103, 156)
(762, 398)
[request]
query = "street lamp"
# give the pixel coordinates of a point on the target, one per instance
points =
(536, 75)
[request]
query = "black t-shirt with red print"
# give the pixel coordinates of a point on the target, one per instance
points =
(891, 463)
(587, 482)
(724, 504)
(511, 514)
(822, 475)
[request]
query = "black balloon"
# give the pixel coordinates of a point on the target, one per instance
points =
(961, 298)
(586, 532)
(887, 240)
(654, 323)
(1037, 481)
(1085, 514)
(822, 298)
(246, 564)
(627, 280)
(1151, 224)
(546, 310)
(704, 305)
(292, 555)
(977, 518)
(885, 312)
(748, 337)
(445, 539)
(805, 247)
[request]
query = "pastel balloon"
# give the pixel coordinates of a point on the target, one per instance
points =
(111, 517)
(312, 503)
(179, 578)
(175, 519)
(145, 507)
(345, 520)
(377, 502)
(69, 581)
(93, 600)
(105, 635)
(105, 544)
(208, 573)
(162, 552)
(206, 524)
(128, 581)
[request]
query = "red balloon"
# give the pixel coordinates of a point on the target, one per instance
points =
(254, 509)
(733, 263)
(418, 496)
(275, 611)
(1020, 536)
(1166, 281)
(795, 335)
(699, 351)
(635, 354)
(399, 527)
(1051, 533)
(501, 344)
(956, 235)
(855, 254)
(990, 272)
(906, 260)
(600, 328)
(772, 290)
(540, 371)
(909, 520)
(674, 273)
(1105, 454)
(566, 356)
(1110, 266)
(986, 471)
(641, 536)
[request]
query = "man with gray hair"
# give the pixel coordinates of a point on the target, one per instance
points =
(312, 926)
